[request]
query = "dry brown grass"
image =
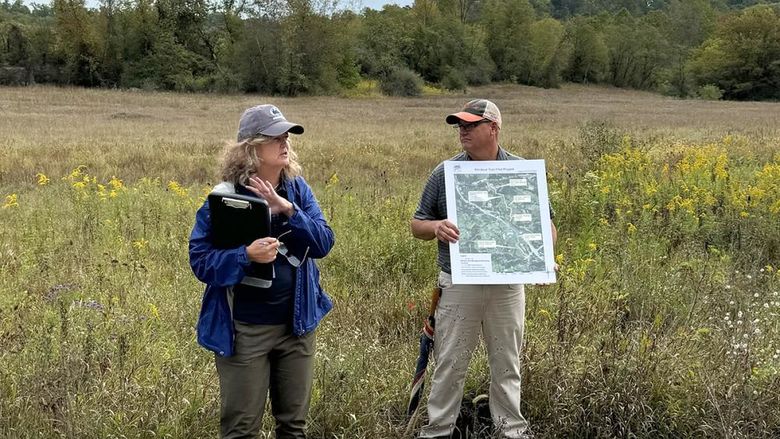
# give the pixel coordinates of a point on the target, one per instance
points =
(178, 136)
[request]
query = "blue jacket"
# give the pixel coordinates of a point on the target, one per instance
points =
(222, 268)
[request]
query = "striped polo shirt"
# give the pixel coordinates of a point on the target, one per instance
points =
(433, 202)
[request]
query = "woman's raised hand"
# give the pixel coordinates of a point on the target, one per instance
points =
(264, 189)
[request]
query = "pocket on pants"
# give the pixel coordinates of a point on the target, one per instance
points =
(518, 288)
(445, 280)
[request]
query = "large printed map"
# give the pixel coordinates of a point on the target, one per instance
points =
(502, 211)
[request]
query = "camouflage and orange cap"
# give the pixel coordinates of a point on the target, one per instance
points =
(476, 110)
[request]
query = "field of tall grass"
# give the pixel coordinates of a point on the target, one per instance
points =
(664, 321)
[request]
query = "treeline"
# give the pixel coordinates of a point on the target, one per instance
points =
(688, 48)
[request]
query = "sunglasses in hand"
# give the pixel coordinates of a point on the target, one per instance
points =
(284, 251)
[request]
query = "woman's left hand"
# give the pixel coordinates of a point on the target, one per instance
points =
(264, 189)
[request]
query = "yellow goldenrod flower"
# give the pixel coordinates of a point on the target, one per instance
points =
(11, 201)
(101, 192)
(140, 244)
(333, 180)
(153, 311)
(177, 189)
(116, 183)
(720, 171)
(625, 142)
(651, 189)
(43, 180)
(592, 246)
(755, 194)
(76, 173)
(631, 228)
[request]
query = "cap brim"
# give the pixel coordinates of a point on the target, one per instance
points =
(280, 128)
(452, 119)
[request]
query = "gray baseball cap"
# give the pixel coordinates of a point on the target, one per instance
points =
(266, 120)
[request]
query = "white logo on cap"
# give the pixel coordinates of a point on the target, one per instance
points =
(276, 113)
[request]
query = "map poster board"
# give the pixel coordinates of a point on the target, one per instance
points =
(503, 213)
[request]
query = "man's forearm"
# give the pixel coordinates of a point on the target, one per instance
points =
(423, 229)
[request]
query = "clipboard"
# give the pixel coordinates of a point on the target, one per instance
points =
(238, 220)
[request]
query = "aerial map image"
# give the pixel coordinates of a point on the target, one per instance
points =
(499, 214)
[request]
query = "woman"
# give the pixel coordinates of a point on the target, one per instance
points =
(263, 335)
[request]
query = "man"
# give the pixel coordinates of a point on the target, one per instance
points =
(498, 310)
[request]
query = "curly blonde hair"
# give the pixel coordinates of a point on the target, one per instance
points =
(240, 161)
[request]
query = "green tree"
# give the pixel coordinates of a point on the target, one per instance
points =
(78, 42)
(39, 10)
(637, 51)
(45, 61)
(110, 51)
(543, 8)
(479, 68)
(508, 25)
(257, 55)
(742, 57)
(548, 53)
(467, 10)
(225, 30)
(16, 47)
(589, 59)
(184, 23)
(17, 6)
(306, 60)
(384, 37)
(565, 8)
(436, 47)
(686, 24)
(140, 29)
(346, 61)
(633, 7)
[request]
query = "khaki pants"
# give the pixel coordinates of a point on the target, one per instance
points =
(498, 311)
(267, 358)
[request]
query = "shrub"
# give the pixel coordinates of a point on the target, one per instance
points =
(402, 81)
(709, 92)
(454, 79)
(479, 74)
(596, 138)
